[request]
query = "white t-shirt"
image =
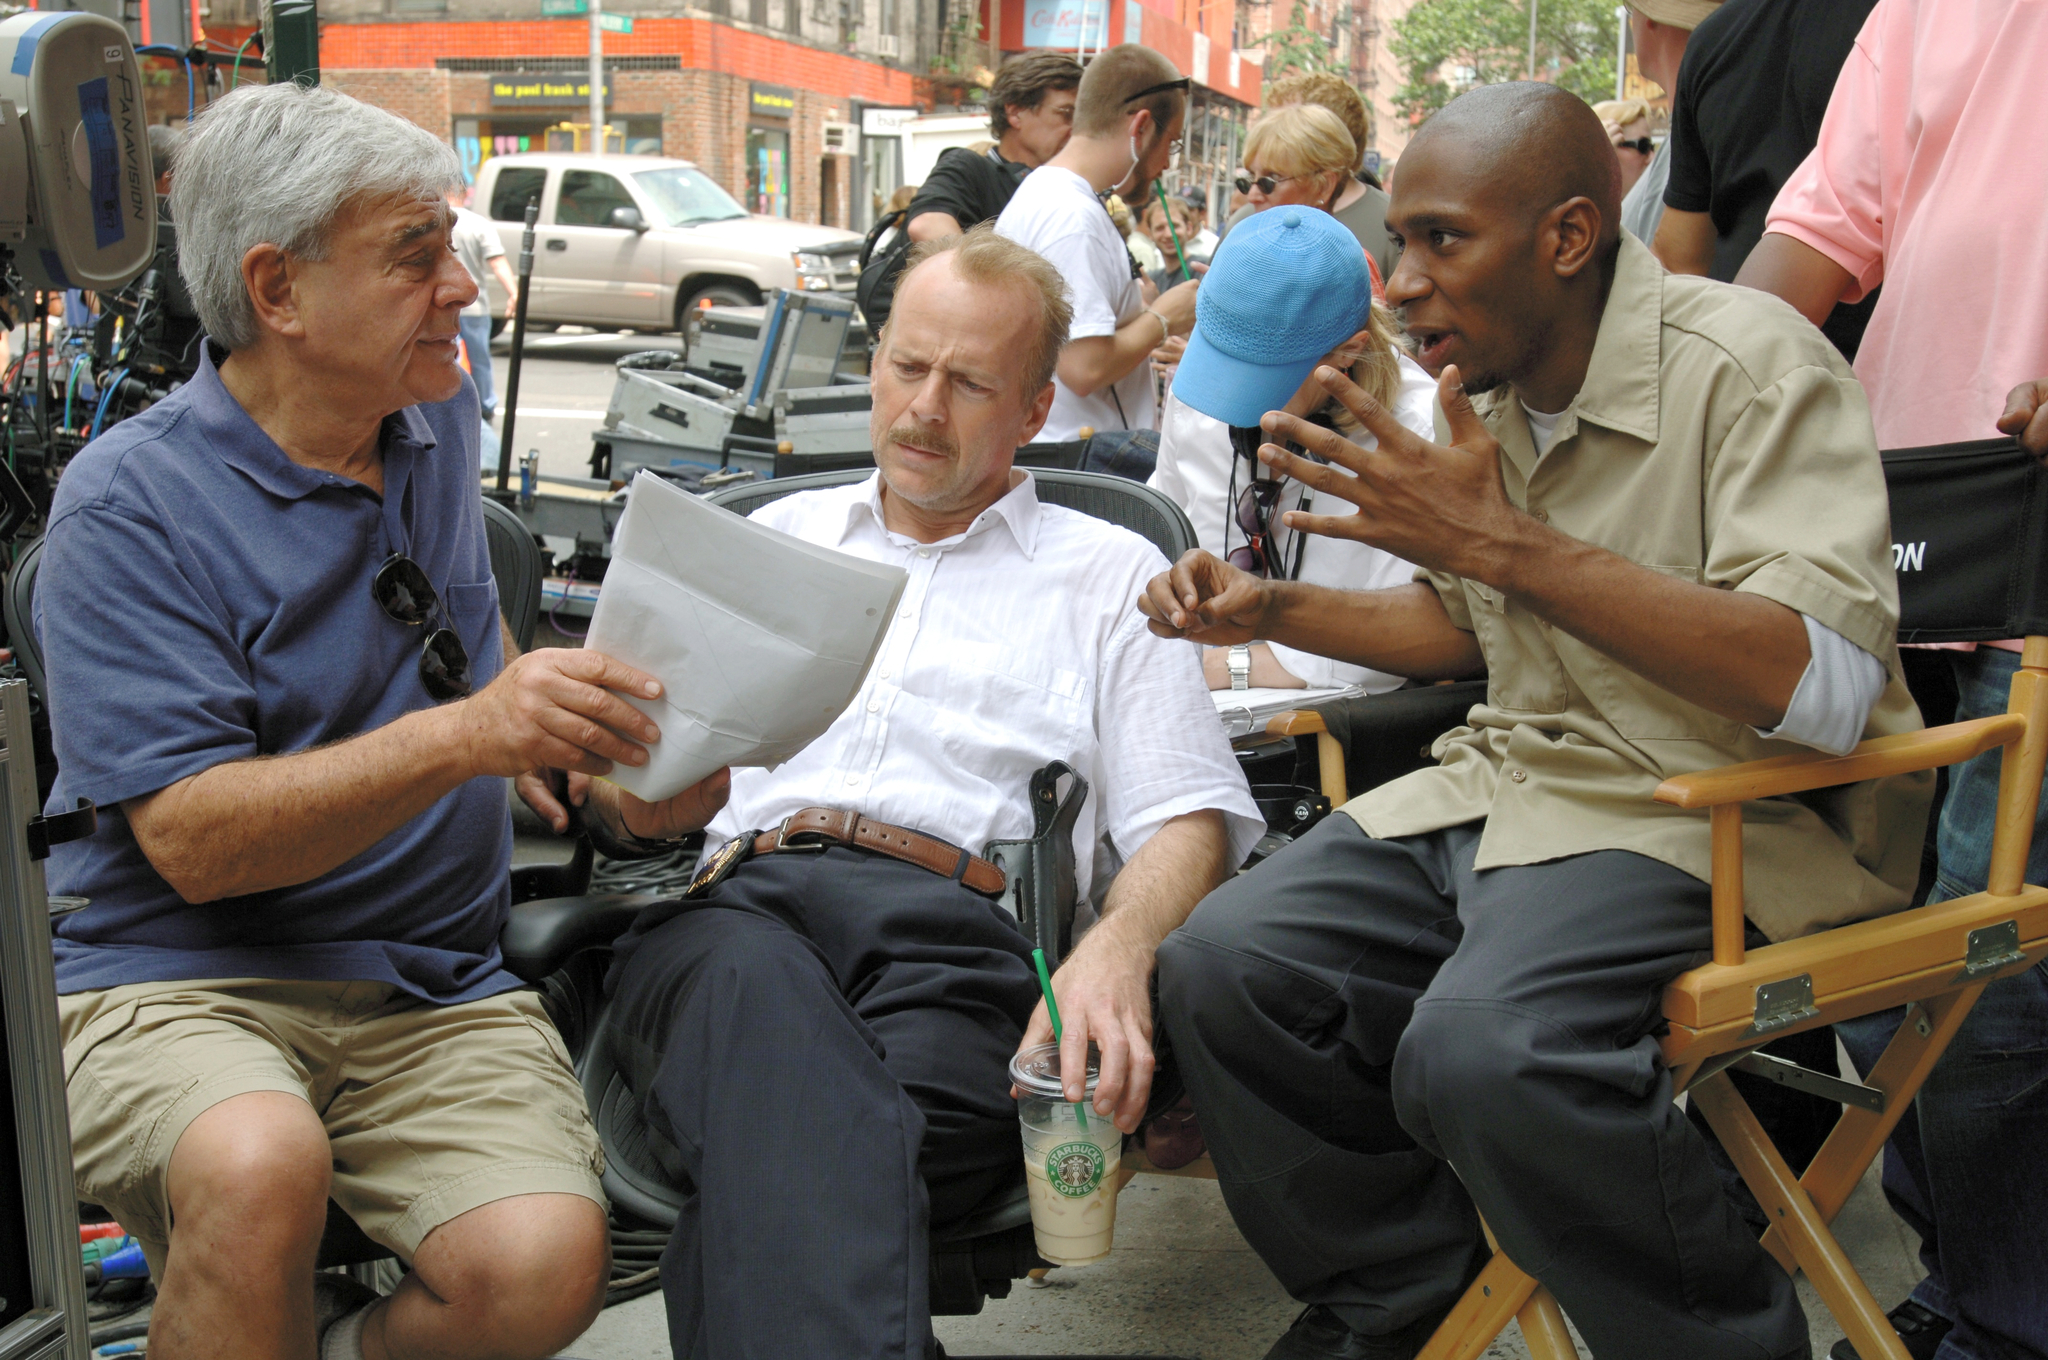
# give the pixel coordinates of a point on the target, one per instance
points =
(476, 245)
(1542, 427)
(1055, 213)
(1193, 471)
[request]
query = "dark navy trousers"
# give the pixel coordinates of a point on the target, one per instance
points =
(1379, 1037)
(829, 1037)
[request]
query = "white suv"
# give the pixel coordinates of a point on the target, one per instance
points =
(636, 242)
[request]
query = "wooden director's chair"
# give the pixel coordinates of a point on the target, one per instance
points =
(1969, 522)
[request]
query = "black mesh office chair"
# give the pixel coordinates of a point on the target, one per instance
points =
(17, 608)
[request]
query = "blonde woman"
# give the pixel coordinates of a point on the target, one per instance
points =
(1628, 127)
(1201, 469)
(1303, 155)
(1362, 206)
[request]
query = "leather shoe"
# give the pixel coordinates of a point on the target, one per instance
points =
(1173, 1137)
(1319, 1334)
(1920, 1329)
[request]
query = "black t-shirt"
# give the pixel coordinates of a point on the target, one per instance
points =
(1752, 90)
(971, 188)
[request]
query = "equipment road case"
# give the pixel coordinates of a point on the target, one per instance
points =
(42, 1290)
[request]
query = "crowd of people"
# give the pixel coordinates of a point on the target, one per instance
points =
(1492, 417)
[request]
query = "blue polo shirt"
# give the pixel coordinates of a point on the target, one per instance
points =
(204, 599)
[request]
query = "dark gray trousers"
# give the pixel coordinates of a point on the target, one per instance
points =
(825, 1040)
(1377, 1037)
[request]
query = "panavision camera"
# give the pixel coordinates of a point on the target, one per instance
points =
(77, 192)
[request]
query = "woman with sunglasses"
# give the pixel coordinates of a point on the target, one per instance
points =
(1289, 290)
(1628, 127)
(1303, 154)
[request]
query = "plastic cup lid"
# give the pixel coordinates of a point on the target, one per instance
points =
(1037, 1070)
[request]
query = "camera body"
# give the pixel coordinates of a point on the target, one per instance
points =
(77, 191)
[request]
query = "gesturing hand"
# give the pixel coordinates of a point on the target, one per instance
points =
(1206, 599)
(551, 709)
(1440, 507)
(2026, 417)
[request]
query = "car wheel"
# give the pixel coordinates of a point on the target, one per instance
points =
(723, 295)
(498, 324)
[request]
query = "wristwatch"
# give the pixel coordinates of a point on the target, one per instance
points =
(621, 844)
(1240, 662)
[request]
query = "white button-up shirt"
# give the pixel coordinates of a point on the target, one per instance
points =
(1016, 643)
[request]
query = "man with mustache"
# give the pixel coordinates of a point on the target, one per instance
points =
(1655, 516)
(821, 1036)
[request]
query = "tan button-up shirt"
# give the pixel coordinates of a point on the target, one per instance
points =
(1720, 439)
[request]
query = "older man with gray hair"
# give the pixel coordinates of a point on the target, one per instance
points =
(276, 662)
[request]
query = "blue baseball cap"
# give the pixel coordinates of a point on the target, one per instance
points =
(1287, 286)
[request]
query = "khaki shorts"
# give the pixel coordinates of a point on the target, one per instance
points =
(431, 1110)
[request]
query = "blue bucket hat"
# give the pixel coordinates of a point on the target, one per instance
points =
(1288, 285)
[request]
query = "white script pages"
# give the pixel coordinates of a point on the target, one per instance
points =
(759, 639)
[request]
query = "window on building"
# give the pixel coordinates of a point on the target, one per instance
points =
(516, 184)
(768, 171)
(588, 198)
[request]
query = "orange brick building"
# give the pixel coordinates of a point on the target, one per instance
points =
(728, 99)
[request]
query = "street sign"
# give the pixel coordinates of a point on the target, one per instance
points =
(613, 23)
(562, 9)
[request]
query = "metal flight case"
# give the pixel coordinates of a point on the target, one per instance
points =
(42, 1292)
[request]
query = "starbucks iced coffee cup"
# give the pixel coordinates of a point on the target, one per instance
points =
(1071, 1169)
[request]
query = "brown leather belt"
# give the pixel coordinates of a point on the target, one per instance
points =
(816, 827)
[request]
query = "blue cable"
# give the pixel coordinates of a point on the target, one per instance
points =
(107, 396)
(163, 50)
(71, 387)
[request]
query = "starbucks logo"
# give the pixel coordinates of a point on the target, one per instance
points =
(1075, 1169)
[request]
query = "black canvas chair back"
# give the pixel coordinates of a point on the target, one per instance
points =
(1119, 500)
(1969, 541)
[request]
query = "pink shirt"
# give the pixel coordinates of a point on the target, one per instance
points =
(1930, 178)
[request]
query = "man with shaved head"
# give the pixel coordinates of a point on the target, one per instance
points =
(1655, 518)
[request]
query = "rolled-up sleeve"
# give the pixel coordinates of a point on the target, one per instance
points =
(1796, 509)
(146, 683)
(1451, 590)
(1834, 201)
(1163, 751)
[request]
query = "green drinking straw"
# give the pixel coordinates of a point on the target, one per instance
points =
(1052, 1008)
(1171, 229)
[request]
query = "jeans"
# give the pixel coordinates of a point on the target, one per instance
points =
(1123, 453)
(1963, 1168)
(476, 341)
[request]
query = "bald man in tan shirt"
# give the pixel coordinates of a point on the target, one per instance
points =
(1655, 517)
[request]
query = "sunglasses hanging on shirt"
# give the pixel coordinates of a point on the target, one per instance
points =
(403, 591)
(1253, 509)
